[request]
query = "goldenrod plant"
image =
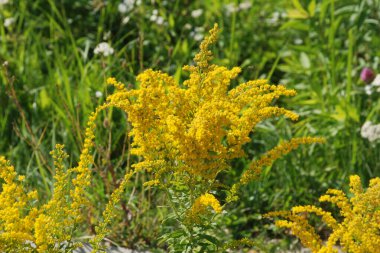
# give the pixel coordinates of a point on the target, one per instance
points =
(356, 231)
(186, 135)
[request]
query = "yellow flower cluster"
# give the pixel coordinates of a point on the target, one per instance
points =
(16, 219)
(27, 225)
(199, 126)
(359, 230)
(200, 207)
(192, 130)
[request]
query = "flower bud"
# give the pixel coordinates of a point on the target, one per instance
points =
(367, 75)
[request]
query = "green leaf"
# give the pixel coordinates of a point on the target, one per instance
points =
(298, 5)
(296, 14)
(339, 114)
(171, 21)
(44, 99)
(305, 61)
(185, 47)
(176, 234)
(210, 238)
(177, 75)
(299, 8)
(353, 113)
(323, 11)
(311, 8)
(298, 25)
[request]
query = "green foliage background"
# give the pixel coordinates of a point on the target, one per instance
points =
(316, 47)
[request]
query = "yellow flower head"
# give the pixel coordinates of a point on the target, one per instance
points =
(200, 207)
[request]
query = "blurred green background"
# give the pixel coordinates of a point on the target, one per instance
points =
(51, 80)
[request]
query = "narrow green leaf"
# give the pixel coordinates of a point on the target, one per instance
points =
(298, 6)
(298, 25)
(311, 8)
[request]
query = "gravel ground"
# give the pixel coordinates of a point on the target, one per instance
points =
(87, 249)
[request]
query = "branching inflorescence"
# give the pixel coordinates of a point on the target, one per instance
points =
(195, 129)
(359, 228)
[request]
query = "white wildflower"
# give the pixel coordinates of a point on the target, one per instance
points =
(123, 8)
(9, 21)
(128, 5)
(198, 37)
(199, 29)
(370, 131)
(156, 18)
(125, 20)
(364, 131)
(153, 18)
(131, 3)
(245, 5)
(187, 26)
(376, 81)
(275, 18)
(368, 89)
(196, 13)
(231, 8)
(98, 94)
(298, 41)
(197, 34)
(103, 48)
(374, 86)
(160, 20)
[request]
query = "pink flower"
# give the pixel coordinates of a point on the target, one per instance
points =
(367, 75)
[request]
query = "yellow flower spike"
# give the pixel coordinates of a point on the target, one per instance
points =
(355, 185)
(53, 223)
(15, 219)
(204, 56)
(327, 218)
(268, 158)
(151, 183)
(109, 213)
(358, 230)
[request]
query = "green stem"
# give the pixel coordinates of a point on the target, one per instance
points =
(187, 229)
(332, 45)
